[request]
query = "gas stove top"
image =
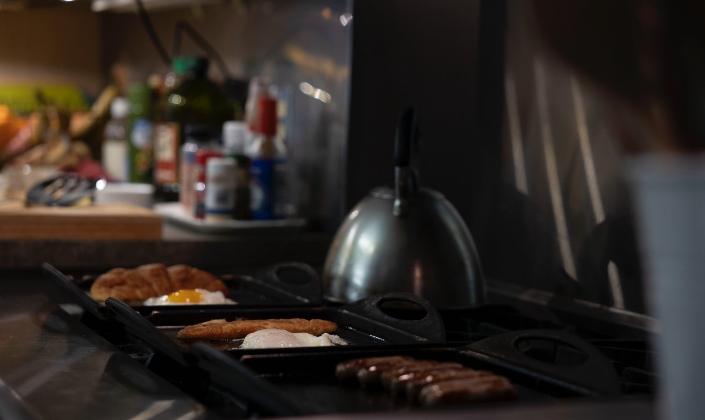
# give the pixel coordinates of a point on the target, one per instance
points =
(562, 361)
(549, 356)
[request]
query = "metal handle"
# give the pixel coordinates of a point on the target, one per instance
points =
(243, 383)
(429, 327)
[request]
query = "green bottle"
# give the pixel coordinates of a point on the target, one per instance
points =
(140, 125)
(194, 99)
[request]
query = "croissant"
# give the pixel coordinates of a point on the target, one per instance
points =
(221, 329)
(152, 280)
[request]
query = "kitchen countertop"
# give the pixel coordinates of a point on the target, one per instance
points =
(52, 366)
(177, 246)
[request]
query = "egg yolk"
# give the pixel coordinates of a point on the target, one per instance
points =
(185, 296)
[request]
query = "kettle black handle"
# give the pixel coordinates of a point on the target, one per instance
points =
(429, 327)
(405, 182)
(404, 137)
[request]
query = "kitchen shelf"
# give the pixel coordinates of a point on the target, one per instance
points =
(129, 5)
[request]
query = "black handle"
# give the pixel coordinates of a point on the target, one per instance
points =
(555, 353)
(405, 182)
(404, 136)
(69, 286)
(429, 327)
(145, 331)
(243, 383)
(300, 281)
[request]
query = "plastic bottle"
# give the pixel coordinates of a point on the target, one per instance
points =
(221, 175)
(140, 144)
(197, 137)
(235, 141)
(268, 153)
(194, 99)
(115, 141)
(199, 198)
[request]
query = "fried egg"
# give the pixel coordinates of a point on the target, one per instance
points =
(276, 338)
(190, 297)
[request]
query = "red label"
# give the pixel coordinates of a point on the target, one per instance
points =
(166, 153)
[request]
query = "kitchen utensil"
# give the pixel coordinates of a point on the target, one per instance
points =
(62, 190)
(408, 240)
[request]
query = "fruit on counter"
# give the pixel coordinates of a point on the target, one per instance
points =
(10, 127)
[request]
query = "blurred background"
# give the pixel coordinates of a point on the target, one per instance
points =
(527, 140)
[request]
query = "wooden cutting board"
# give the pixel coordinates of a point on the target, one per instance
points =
(108, 221)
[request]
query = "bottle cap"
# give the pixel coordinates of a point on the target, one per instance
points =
(267, 108)
(189, 64)
(235, 135)
(120, 108)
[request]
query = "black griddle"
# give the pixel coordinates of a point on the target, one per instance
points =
(545, 358)
(305, 383)
(285, 284)
(363, 324)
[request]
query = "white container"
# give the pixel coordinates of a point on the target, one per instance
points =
(124, 193)
(115, 148)
(669, 194)
(235, 137)
(221, 174)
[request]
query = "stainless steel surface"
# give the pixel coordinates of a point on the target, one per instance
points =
(52, 367)
(428, 252)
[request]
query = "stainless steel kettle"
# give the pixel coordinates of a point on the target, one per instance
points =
(408, 240)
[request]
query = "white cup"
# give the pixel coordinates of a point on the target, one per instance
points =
(669, 195)
(124, 193)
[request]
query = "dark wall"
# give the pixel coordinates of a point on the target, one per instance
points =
(538, 179)
(427, 54)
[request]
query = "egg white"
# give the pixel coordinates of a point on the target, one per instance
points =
(276, 338)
